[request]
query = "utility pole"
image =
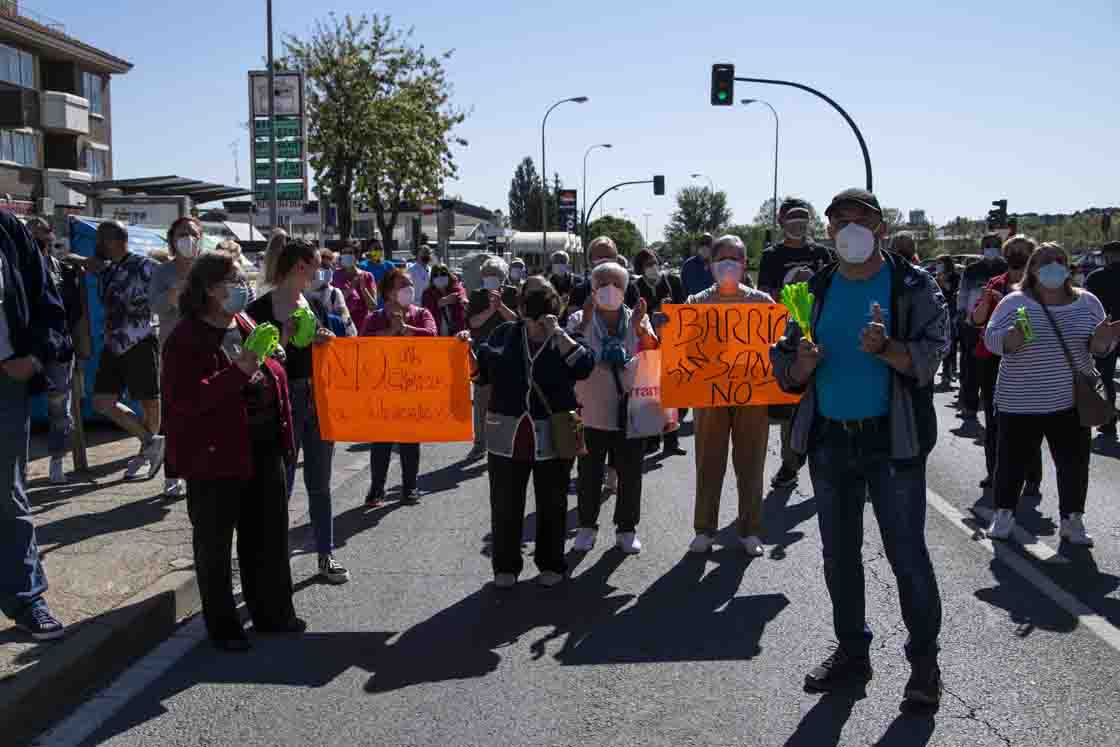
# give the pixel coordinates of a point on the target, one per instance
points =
(274, 208)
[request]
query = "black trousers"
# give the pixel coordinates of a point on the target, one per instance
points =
(989, 375)
(379, 466)
(629, 454)
(258, 509)
(970, 379)
(1107, 367)
(509, 482)
(1070, 444)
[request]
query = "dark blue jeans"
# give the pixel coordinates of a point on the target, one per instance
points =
(845, 468)
(317, 458)
(22, 579)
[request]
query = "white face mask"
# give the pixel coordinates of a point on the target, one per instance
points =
(610, 297)
(855, 243)
(561, 270)
(516, 274)
(187, 246)
(405, 296)
(728, 272)
(652, 273)
(346, 260)
(441, 282)
(322, 277)
(490, 283)
(1053, 276)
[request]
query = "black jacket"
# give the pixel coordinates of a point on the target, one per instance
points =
(502, 365)
(667, 289)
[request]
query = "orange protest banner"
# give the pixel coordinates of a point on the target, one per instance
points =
(393, 389)
(718, 355)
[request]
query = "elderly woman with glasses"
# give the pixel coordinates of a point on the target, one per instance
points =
(615, 335)
(743, 429)
(488, 308)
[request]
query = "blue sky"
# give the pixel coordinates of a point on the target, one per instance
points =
(961, 103)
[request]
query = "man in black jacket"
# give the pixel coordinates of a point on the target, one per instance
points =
(33, 334)
(1105, 285)
(973, 282)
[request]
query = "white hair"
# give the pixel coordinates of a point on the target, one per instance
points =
(494, 266)
(600, 273)
(729, 239)
(560, 257)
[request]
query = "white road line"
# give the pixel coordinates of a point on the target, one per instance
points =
(1027, 541)
(1036, 578)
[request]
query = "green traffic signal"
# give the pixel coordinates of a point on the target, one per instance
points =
(723, 84)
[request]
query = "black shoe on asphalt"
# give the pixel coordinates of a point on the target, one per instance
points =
(924, 686)
(375, 499)
(232, 644)
(838, 671)
(1108, 431)
(986, 482)
(785, 478)
(40, 623)
(411, 496)
(672, 447)
(293, 625)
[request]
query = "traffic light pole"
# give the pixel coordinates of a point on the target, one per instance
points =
(603, 194)
(837, 107)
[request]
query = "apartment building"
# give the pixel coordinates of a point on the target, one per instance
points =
(56, 122)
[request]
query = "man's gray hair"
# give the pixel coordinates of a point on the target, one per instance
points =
(729, 239)
(494, 266)
(560, 258)
(599, 276)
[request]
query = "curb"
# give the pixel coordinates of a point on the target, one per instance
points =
(93, 654)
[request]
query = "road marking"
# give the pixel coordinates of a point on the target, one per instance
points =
(1036, 578)
(1027, 541)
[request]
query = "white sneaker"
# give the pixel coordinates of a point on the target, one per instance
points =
(1073, 529)
(610, 480)
(1003, 524)
(504, 580)
(58, 473)
(585, 539)
(175, 488)
(629, 543)
(137, 467)
(550, 578)
(701, 543)
(753, 546)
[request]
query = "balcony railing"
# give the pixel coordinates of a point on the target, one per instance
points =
(15, 9)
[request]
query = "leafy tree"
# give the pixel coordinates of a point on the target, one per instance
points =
(625, 234)
(753, 237)
(380, 121)
(699, 210)
(525, 199)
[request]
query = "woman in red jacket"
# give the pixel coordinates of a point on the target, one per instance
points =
(399, 318)
(446, 300)
(229, 433)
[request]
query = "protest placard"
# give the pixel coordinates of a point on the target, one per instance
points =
(718, 355)
(393, 389)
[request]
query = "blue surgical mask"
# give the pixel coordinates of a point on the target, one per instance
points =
(237, 299)
(1053, 276)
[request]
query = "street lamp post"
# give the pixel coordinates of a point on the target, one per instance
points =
(583, 230)
(645, 236)
(544, 172)
(747, 102)
(711, 184)
(273, 210)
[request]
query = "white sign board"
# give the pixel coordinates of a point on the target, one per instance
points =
(144, 211)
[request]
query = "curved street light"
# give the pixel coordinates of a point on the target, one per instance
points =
(544, 171)
(747, 102)
(584, 199)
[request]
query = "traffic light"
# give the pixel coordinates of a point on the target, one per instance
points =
(723, 85)
(998, 218)
(659, 185)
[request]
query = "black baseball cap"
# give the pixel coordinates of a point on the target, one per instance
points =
(855, 196)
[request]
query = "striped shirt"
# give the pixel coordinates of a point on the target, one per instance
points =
(1037, 378)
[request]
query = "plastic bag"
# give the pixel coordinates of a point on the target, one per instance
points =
(645, 415)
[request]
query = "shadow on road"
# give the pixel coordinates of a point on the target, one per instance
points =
(780, 520)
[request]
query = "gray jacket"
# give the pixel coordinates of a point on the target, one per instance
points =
(920, 319)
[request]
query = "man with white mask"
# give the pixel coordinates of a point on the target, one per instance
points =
(866, 370)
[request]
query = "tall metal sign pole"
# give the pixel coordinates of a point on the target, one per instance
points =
(274, 207)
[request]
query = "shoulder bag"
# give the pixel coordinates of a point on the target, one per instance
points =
(1093, 407)
(566, 428)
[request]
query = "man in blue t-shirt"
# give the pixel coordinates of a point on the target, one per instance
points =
(375, 261)
(696, 272)
(866, 420)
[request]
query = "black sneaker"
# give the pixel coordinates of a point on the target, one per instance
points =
(1108, 431)
(1032, 490)
(40, 623)
(837, 671)
(785, 478)
(924, 686)
(411, 496)
(332, 571)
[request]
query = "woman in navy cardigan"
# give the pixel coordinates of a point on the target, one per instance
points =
(518, 436)
(229, 433)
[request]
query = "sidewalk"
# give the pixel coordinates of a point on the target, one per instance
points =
(119, 563)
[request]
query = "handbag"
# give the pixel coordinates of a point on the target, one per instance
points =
(566, 428)
(1093, 407)
(645, 417)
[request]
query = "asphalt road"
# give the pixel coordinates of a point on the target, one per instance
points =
(665, 648)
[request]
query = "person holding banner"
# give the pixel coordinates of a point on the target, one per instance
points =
(742, 429)
(399, 318)
(865, 369)
(615, 336)
(295, 271)
(531, 367)
(230, 435)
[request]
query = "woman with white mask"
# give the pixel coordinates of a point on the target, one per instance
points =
(743, 430)
(1034, 393)
(184, 241)
(488, 308)
(358, 287)
(328, 302)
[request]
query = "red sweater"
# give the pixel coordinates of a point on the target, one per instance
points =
(206, 420)
(416, 316)
(456, 312)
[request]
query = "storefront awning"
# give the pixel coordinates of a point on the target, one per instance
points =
(161, 186)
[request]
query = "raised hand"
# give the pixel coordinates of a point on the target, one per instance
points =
(639, 315)
(873, 338)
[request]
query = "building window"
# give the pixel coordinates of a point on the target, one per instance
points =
(19, 147)
(96, 162)
(93, 88)
(17, 67)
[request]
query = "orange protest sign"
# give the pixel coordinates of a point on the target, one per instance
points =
(718, 355)
(393, 389)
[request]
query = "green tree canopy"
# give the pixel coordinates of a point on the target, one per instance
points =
(699, 210)
(625, 234)
(525, 199)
